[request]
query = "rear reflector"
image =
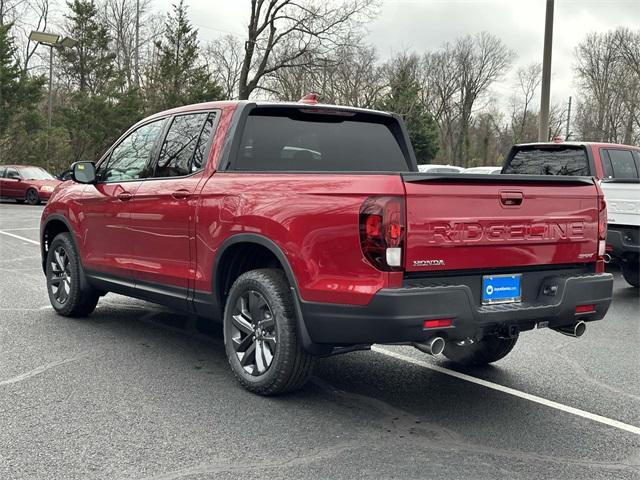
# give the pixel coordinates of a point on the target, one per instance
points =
(585, 308)
(602, 248)
(439, 323)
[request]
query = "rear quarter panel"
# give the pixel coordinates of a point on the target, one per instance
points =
(313, 218)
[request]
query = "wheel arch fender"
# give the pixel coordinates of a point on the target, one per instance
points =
(58, 219)
(271, 246)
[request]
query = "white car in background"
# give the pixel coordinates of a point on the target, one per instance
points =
(483, 170)
(432, 168)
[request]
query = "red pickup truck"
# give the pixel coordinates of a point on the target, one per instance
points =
(308, 230)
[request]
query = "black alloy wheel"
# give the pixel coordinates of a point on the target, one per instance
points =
(261, 334)
(32, 197)
(60, 279)
(253, 333)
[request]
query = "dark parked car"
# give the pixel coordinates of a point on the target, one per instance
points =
(26, 183)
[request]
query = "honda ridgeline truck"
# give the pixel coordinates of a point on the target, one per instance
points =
(308, 231)
(617, 167)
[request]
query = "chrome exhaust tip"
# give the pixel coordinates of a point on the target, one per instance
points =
(575, 331)
(607, 258)
(434, 346)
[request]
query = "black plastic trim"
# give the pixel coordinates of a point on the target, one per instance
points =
(397, 315)
(167, 295)
(502, 178)
(303, 331)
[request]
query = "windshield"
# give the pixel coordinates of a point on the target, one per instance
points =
(35, 173)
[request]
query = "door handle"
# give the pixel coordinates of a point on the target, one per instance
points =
(511, 199)
(180, 194)
(125, 196)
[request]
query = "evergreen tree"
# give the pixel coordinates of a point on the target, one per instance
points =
(90, 64)
(98, 111)
(179, 78)
(19, 92)
(403, 97)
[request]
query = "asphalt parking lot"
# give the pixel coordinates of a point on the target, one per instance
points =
(137, 391)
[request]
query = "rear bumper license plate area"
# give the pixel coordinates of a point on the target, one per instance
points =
(501, 289)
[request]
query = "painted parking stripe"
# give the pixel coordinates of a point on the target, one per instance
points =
(511, 391)
(18, 229)
(19, 237)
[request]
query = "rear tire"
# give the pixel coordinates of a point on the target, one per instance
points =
(260, 334)
(488, 350)
(32, 197)
(631, 273)
(68, 294)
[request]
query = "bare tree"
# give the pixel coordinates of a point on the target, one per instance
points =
(528, 80)
(224, 58)
(607, 74)
(482, 59)
(350, 76)
(282, 32)
(440, 86)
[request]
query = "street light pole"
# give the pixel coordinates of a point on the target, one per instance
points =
(51, 40)
(543, 130)
(50, 108)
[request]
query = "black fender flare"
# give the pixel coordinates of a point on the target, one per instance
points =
(270, 245)
(84, 283)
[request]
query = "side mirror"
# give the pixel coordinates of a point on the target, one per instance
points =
(83, 172)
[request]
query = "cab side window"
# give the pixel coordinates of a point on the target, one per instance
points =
(2, 171)
(183, 149)
(619, 164)
(12, 173)
(130, 157)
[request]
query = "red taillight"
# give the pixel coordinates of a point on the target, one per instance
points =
(438, 323)
(602, 234)
(382, 232)
(585, 309)
(602, 220)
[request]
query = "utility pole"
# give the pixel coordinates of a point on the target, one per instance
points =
(137, 55)
(546, 74)
(566, 136)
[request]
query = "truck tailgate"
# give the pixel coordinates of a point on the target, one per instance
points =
(461, 222)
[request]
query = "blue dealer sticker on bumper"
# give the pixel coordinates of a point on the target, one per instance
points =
(501, 288)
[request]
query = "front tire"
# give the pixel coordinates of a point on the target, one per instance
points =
(68, 295)
(260, 334)
(631, 273)
(488, 350)
(32, 197)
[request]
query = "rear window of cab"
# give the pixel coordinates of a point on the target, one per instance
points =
(548, 160)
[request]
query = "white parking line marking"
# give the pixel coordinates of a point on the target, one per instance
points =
(22, 228)
(511, 391)
(19, 237)
(40, 369)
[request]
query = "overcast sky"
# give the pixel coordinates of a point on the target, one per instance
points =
(422, 25)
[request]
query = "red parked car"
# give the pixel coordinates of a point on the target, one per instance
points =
(25, 183)
(308, 231)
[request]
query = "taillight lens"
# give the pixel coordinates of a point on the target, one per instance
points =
(382, 231)
(602, 220)
(602, 234)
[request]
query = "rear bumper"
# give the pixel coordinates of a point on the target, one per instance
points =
(623, 240)
(397, 315)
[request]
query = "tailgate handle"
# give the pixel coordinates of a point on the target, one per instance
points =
(511, 199)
